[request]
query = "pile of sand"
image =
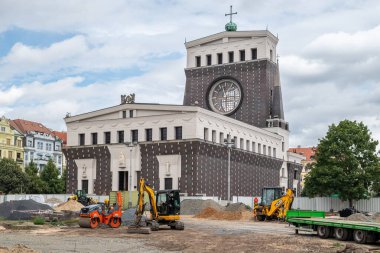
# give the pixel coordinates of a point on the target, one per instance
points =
(211, 213)
(70, 205)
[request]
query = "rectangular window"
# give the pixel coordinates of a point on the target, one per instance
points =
(241, 143)
(264, 149)
(253, 146)
(259, 148)
(2, 129)
(94, 138)
(135, 135)
(242, 55)
(124, 114)
(295, 175)
(247, 146)
(205, 134)
(19, 143)
(228, 138)
(10, 154)
(148, 134)
(231, 57)
(208, 59)
(26, 156)
(221, 138)
(213, 135)
(198, 61)
(274, 152)
(8, 141)
(81, 140)
(163, 134)
(271, 54)
(30, 143)
(107, 137)
(220, 58)
(120, 136)
(269, 151)
(254, 53)
(131, 113)
(235, 141)
(178, 133)
(168, 183)
(18, 155)
(283, 146)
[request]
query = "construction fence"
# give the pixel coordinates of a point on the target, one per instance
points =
(318, 204)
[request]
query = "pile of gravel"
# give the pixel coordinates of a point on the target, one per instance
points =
(195, 206)
(15, 210)
(237, 207)
(359, 217)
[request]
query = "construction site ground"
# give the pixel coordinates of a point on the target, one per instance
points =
(200, 235)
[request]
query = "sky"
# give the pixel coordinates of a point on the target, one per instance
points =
(79, 56)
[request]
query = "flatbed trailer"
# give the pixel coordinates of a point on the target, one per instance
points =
(344, 230)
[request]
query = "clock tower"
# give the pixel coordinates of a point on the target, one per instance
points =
(235, 73)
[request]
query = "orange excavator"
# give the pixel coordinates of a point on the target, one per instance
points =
(93, 215)
(273, 205)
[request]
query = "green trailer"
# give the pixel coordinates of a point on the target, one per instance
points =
(341, 229)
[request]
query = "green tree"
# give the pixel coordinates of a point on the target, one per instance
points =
(35, 184)
(12, 178)
(64, 179)
(347, 163)
(50, 175)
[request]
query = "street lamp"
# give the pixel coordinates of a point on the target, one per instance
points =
(229, 144)
(131, 145)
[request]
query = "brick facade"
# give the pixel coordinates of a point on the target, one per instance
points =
(256, 78)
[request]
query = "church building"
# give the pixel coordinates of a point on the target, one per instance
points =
(230, 132)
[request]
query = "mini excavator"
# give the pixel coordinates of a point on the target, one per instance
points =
(164, 208)
(273, 205)
(93, 215)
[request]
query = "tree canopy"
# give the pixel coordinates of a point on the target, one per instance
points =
(347, 163)
(14, 180)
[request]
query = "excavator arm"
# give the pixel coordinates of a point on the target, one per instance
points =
(281, 205)
(140, 209)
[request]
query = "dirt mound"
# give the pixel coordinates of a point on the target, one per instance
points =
(53, 201)
(358, 217)
(211, 213)
(194, 206)
(71, 205)
(235, 207)
(15, 210)
(19, 248)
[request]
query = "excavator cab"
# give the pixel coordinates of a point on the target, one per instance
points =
(168, 202)
(269, 194)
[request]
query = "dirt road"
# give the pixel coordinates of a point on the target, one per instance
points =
(200, 235)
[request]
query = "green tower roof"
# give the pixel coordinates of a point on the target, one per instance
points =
(231, 27)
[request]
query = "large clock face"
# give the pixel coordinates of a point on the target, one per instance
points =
(225, 96)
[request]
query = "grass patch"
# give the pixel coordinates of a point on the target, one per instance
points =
(337, 245)
(39, 220)
(2, 218)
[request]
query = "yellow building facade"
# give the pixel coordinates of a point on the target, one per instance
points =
(11, 142)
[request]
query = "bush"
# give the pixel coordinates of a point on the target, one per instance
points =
(39, 220)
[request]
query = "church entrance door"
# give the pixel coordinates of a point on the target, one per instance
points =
(123, 180)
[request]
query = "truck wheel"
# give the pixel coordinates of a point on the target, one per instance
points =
(342, 234)
(360, 236)
(260, 217)
(324, 232)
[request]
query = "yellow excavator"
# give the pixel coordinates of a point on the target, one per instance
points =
(274, 204)
(165, 208)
